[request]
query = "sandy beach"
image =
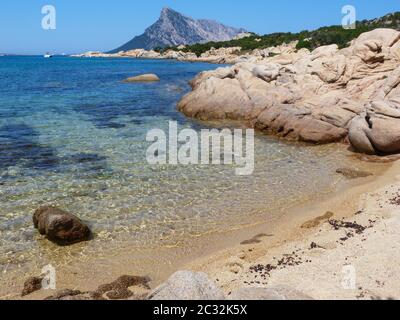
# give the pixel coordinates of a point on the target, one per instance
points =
(316, 256)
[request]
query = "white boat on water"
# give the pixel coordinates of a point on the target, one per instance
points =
(48, 55)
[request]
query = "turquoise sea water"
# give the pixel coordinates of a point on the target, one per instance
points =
(73, 135)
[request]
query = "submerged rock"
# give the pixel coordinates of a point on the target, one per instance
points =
(187, 285)
(143, 78)
(353, 173)
(317, 221)
(275, 293)
(59, 226)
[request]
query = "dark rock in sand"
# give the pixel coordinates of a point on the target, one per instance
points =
(31, 285)
(59, 226)
(119, 294)
(125, 287)
(68, 294)
(119, 289)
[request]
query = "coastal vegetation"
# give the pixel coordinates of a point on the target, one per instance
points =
(306, 39)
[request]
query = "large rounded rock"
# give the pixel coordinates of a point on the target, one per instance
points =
(358, 136)
(186, 285)
(387, 37)
(385, 134)
(217, 99)
(59, 226)
(143, 78)
(377, 130)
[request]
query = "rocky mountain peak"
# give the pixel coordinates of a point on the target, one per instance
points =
(174, 28)
(166, 11)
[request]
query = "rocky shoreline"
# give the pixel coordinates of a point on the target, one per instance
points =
(327, 95)
(230, 55)
(323, 96)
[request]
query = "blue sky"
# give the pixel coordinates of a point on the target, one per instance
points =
(84, 25)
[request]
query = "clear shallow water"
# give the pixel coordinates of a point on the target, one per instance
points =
(73, 135)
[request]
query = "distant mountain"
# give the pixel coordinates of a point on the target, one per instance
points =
(173, 28)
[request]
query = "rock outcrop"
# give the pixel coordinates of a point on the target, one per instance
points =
(186, 285)
(59, 226)
(321, 96)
